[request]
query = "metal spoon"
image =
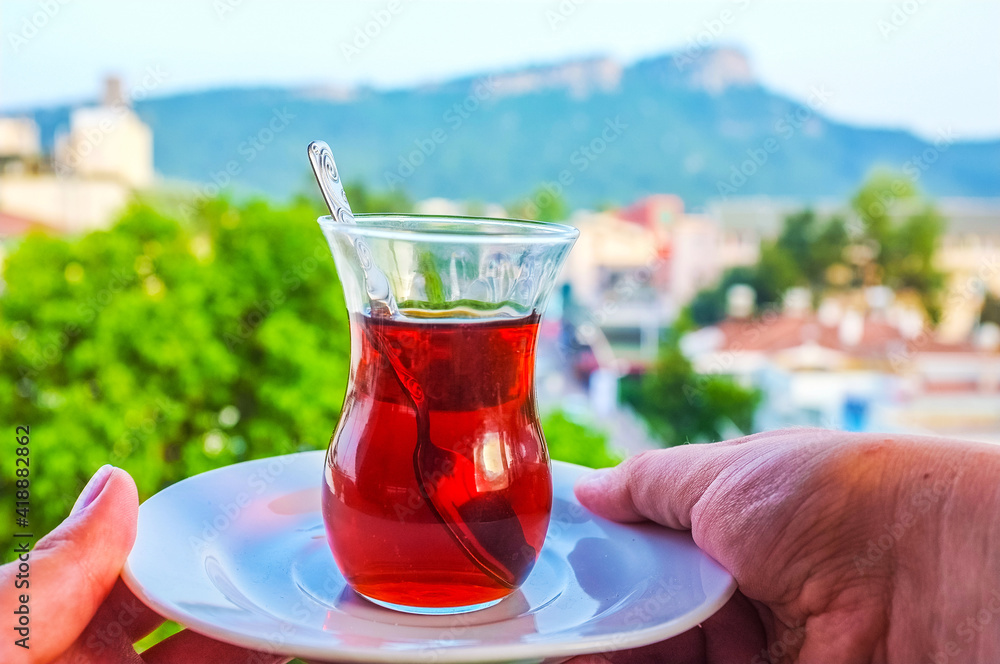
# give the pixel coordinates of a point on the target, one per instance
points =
(383, 304)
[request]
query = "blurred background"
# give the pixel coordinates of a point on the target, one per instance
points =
(789, 215)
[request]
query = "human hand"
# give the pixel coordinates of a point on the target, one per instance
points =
(80, 610)
(846, 547)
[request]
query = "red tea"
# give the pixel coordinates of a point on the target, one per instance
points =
(438, 489)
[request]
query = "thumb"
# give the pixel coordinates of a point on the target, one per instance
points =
(664, 486)
(73, 568)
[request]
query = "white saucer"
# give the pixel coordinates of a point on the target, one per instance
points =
(240, 554)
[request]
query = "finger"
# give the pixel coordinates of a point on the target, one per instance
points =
(192, 648)
(73, 568)
(661, 486)
(665, 485)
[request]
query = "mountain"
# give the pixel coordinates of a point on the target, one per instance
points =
(678, 123)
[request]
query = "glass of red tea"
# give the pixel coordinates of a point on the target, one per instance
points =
(437, 487)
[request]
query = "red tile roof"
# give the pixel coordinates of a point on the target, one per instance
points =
(774, 333)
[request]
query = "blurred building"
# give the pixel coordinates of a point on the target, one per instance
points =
(104, 156)
(107, 142)
(861, 360)
(858, 370)
(969, 253)
(634, 267)
(19, 140)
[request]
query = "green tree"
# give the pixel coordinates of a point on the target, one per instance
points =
(827, 250)
(812, 246)
(682, 406)
(908, 259)
(905, 231)
(169, 348)
(575, 442)
(875, 200)
(708, 307)
(901, 248)
(775, 273)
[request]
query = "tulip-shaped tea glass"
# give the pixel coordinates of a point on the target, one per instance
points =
(437, 488)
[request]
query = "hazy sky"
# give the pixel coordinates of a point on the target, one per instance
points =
(923, 65)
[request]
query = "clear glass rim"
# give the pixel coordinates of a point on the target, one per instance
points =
(459, 229)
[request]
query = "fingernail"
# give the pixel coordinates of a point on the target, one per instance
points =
(93, 488)
(595, 479)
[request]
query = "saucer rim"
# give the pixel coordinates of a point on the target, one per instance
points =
(471, 654)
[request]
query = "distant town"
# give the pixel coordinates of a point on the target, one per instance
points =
(860, 359)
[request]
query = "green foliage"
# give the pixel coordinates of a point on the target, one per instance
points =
(572, 441)
(433, 284)
(905, 232)
(509, 143)
(708, 307)
(827, 250)
(874, 202)
(897, 252)
(809, 248)
(775, 273)
(682, 406)
(169, 348)
(908, 260)
(164, 631)
(364, 200)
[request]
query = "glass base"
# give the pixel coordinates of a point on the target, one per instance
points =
(434, 610)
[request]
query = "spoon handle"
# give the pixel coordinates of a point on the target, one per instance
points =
(383, 304)
(328, 179)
